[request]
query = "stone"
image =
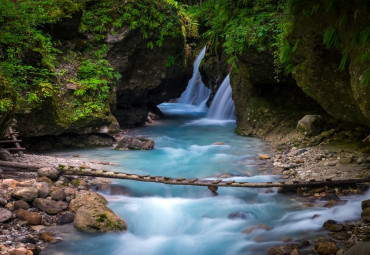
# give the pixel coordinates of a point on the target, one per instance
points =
(250, 229)
(20, 204)
(49, 172)
(58, 194)
(37, 228)
(218, 143)
(9, 183)
(346, 160)
(46, 237)
(26, 193)
(49, 206)
(263, 156)
(342, 235)
(100, 181)
(294, 252)
(34, 248)
(365, 204)
(21, 251)
(65, 218)
(5, 215)
(326, 248)
(98, 218)
(332, 226)
(45, 179)
(3, 201)
(33, 218)
(366, 214)
(240, 215)
(5, 155)
(311, 125)
(282, 249)
(213, 188)
(360, 248)
(135, 143)
(331, 163)
(86, 198)
(42, 189)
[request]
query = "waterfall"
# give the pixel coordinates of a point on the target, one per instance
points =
(196, 92)
(222, 107)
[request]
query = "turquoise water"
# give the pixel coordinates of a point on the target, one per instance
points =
(168, 220)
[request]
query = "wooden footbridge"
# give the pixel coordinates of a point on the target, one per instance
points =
(212, 184)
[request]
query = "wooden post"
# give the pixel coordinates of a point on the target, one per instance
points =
(14, 137)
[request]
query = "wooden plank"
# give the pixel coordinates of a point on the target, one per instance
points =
(10, 141)
(20, 149)
(15, 149)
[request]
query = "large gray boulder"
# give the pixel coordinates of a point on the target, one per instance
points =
(135, 143)
(311, 124)
(86, 198)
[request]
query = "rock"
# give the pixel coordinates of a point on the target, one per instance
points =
(42, 189)
(37, 228)
(45, 179)
(33, 218)
(250, 229)
(366, 214)
(240, 215)
(21, 251)
(5, 215)
(49, 206)
(58, 194)
(311, 125)
(331, 163)
(332, 226)
(365, 204)
(98, 218)
(49, 172)
(135, 143)
(343, 235)
(3, 201)
(218, 143)
(330, 196)
(34, 248)
(86, 198)
(346, 160)
(294, 252)
(46, 237)
(9, 206)
(26, 194)
(282, 249)
(264, 156)
(5, 155)
(361, 248)
(65, 218)
(9, 183)
(20, 204)
(326, 248)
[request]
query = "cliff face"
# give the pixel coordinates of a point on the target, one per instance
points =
(330, 61)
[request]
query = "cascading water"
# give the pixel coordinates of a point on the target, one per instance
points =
(222, 107)
(196, 92)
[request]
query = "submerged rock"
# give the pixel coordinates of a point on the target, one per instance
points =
(135, 143)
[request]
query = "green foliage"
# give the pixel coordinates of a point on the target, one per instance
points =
(331, 38)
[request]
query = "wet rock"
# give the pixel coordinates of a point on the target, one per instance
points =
(365, 204)
(311, 124)
(250, 229)
(218, 143)
(330, 196)
(49, 172)
(341, 235)
(98, 218)
(49, 206)
(366, 215)
(263, 156)
(20, 204)
(332, 226)
(135, 143)
(65, 218)
(26, 194)
(86, 198)
(58, 194)
(282, 249)
(42, 189)
(33, 218)
(46, 237)
(361, 248)
(240, 215)
(326, 248)
(5, 215)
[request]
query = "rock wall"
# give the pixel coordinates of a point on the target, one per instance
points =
(317, 69)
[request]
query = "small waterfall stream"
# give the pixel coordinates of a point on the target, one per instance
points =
(222, 107)
(196, 92)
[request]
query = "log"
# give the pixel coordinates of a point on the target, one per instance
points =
(10, 141)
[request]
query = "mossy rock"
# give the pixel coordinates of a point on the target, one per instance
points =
(86, 198)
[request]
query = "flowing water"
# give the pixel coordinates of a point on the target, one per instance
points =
(222, 107)
(168, 220)
(196, 92)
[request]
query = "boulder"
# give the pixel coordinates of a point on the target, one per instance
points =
(361, 248)
(65, 218)
(49, 206)
(42, 189)
(332, 226)
(20, 204)
(365, 204)
(98, 218)
(49, 172)
(3, 201)
(366, 214)
(135, 143)
(250, 229)
(326, 248)
(86, 198)
(282, 249)
(58, 194)
(26, 193)
(311, 125)
(33, 218)
(5, 215)
(5, 155)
